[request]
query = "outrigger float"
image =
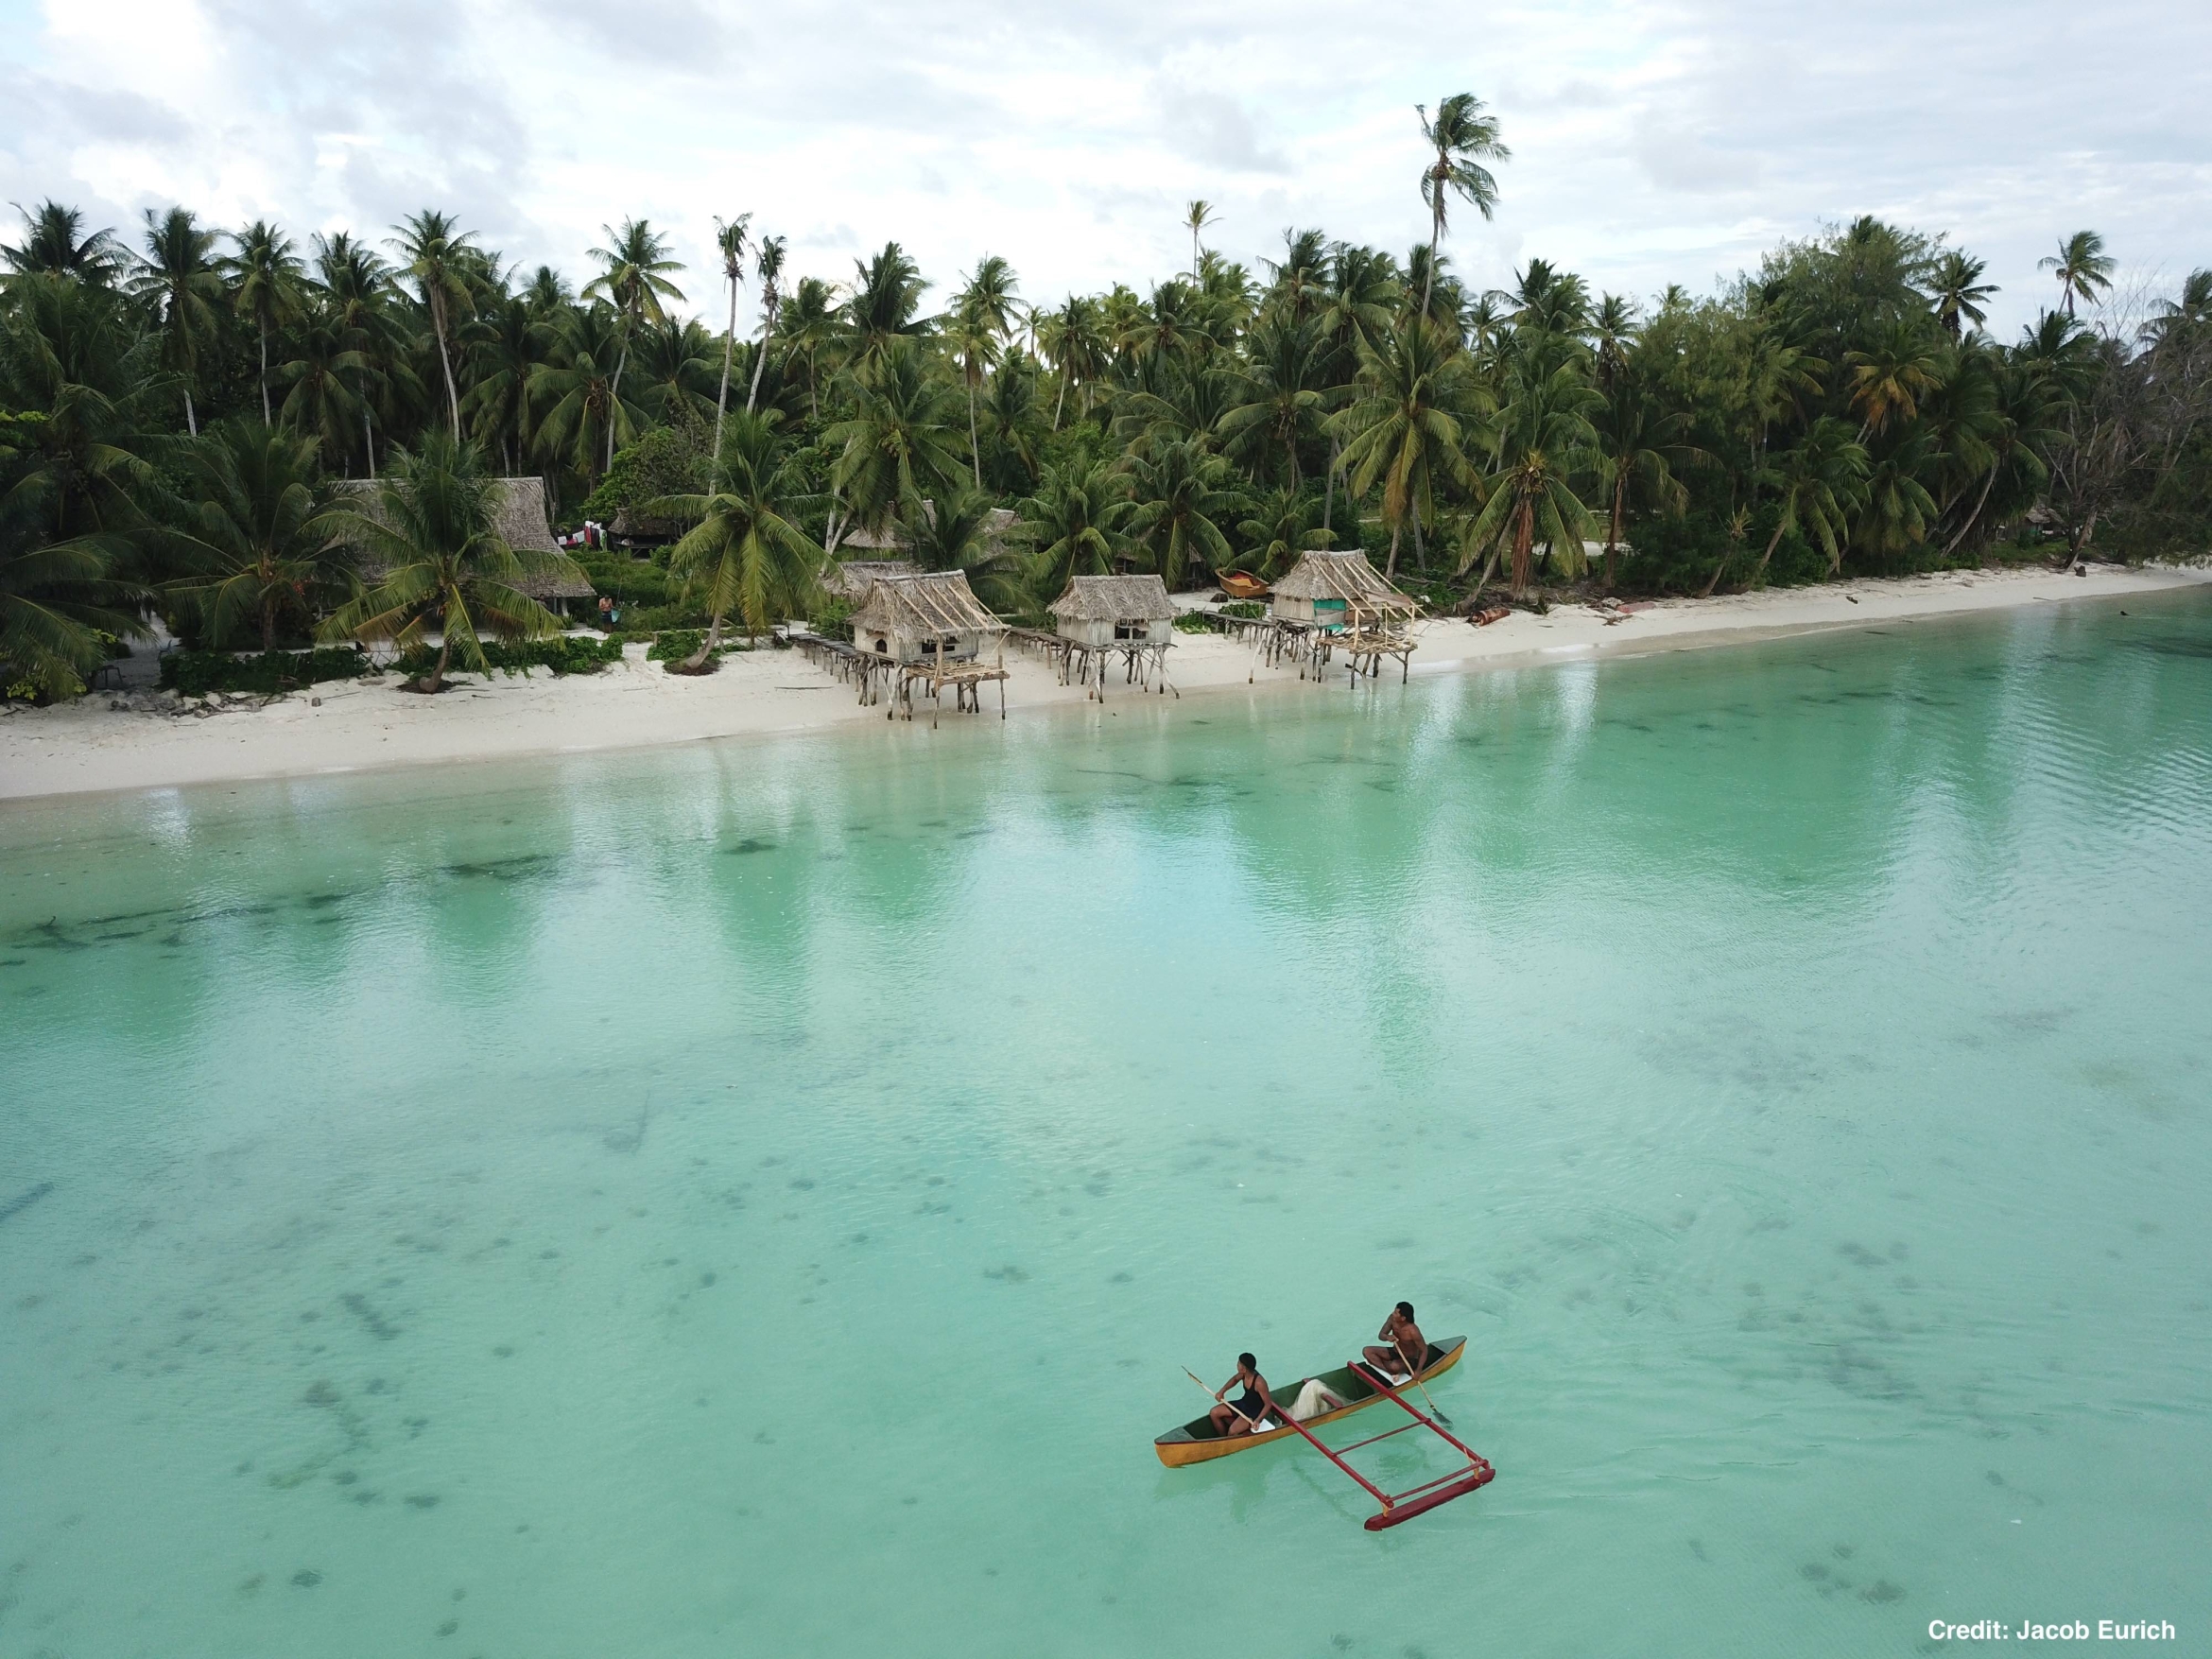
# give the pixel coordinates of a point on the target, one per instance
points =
(1358, 1385)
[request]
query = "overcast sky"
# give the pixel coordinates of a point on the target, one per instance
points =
(1653, 142)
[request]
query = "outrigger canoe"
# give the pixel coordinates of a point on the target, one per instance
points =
(1198, 1440)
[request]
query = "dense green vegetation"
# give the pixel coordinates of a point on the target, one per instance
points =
(176, 406)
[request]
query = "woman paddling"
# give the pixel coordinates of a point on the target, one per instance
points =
(1252, 1407)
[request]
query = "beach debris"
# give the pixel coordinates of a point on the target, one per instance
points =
(1490, 614)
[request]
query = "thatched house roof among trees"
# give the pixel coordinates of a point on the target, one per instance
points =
(852, 579)
(522, 525)
(892, 538)
(927, 603)
(1345, 574)
(1114, 598)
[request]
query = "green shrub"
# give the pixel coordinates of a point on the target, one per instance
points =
(196, 673)
(1193, 622)
(626, 580)
(1248, 609)
(641, 621)
(831, 617)
(566, 653)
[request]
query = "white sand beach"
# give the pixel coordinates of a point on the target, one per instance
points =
(88, 745)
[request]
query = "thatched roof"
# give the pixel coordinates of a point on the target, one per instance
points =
(852, 579)
(1114, 598)
(893, 539)
(634, 525)
(932, 601)
(522, 525)
(1333, 574)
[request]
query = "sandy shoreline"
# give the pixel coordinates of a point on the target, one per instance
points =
(86, 747)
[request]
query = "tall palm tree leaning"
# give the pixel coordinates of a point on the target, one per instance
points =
(1464, 135)
(1197, 216)
(437, 253)
(434, 531)
(730, 242)
(768, 262)
(2083, 267)
(177, 280)
(633, 277)
(983, 322)
(743, 550)
(268, 273)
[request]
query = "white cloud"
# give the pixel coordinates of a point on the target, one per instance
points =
(1652, 142)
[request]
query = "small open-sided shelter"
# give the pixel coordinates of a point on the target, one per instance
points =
(1114, 610)
(1338, 589)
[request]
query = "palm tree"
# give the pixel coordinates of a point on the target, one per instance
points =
(809, 322)
(508, 351)
(744, 553)
(1403, 432)
(1073, 339)
(955, 531)
(1180, 494)
(1818, 483)
(1281, 528)
(178, 281)
(1641, 447)
(884, 303)
(633, 277)
(437, 255)
(1958, 291)
(730, 238)
(1896, 510)
(1465, 136)
(57, 598)
(981, 324)
(356, 287)
(54, 245)
(586, 417)
(897, 444)
(769, 263)
(255, 534)
(1074, 522)
(1196, 217)
(1903, 367)
(75, 355)
(1544, 439)
(267, 275)
(322, 401)
(434, 531)
(2083, 267)
(1282, 393)
(2020, 428)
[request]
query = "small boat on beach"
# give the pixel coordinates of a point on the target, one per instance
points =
(1198, 1440)
(1241, 584)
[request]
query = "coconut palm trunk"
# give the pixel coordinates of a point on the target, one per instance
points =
(729, 354)
(1523, 544)
(975, 444)
(191, 422)
(445, 360)
(1980, 502)
(266, 419)
(1613, 524)
(1390, 565)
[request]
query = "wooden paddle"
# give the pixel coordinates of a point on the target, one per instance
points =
(1413, 1376)
(1219, 1401)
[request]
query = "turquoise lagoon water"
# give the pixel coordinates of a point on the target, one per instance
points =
(757, 1199)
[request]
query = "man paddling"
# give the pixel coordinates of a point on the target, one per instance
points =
(1254, 1407)
(1408, 1352)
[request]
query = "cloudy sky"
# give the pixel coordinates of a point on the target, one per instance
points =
(1658, 141)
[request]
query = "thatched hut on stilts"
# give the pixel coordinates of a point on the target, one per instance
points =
(1100, 619)
(928, 631)
(1332, 601)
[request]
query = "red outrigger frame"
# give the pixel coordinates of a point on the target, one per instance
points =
(1414, 1500)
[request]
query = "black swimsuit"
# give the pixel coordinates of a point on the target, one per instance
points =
(1251, 1406)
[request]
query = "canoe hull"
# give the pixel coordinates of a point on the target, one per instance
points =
(1179, 1447)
